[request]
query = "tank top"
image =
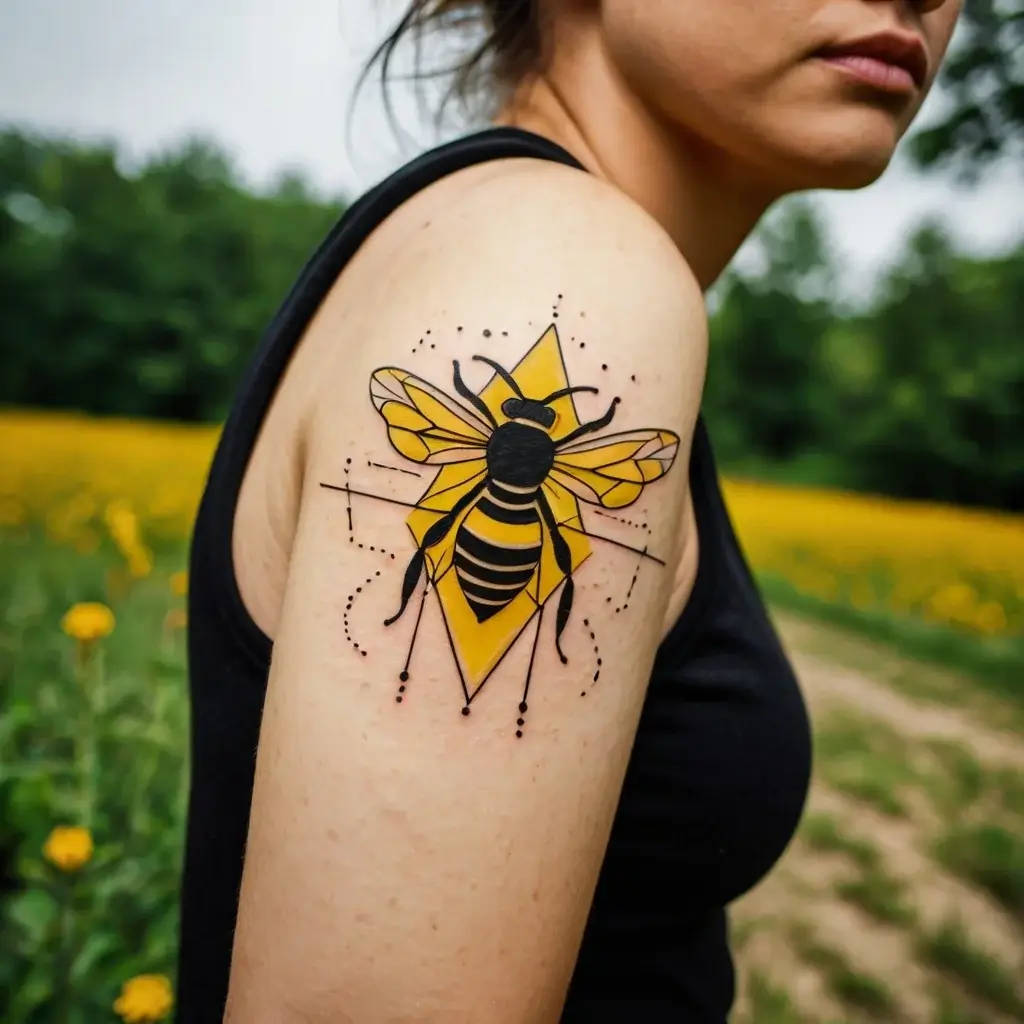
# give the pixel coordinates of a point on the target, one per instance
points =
(718, 773)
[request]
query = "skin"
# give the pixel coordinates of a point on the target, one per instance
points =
(706, 113)
(422, 866)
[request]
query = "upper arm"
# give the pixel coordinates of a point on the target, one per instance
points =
(408, 860)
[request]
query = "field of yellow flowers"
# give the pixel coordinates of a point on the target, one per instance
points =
(94, 515)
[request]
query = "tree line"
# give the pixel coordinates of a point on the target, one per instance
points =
(143, 292)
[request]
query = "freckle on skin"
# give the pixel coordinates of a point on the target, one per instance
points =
(332, 834)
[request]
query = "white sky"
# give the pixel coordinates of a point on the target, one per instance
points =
(271, 81)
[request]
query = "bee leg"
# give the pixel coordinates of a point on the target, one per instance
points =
(563, 559)
(433, 536)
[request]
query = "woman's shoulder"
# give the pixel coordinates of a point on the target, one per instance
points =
(539, 212)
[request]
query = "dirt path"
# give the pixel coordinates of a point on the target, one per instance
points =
(844, 930)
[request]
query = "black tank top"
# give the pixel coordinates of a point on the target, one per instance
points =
(719, 770)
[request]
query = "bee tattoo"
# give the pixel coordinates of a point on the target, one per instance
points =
(499, 529)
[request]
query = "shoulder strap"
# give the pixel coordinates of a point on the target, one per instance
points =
(355, 226)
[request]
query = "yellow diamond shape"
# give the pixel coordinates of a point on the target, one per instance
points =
(479, 646)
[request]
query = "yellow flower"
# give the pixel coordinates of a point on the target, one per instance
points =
(146, 997)
(68, 847)
(140, 562)
(179, 583)
(88, 621)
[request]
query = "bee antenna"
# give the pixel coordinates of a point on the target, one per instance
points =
(567, 391)
(503, 374)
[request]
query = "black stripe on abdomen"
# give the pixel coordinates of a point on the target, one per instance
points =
(491, 574)
(518, 516)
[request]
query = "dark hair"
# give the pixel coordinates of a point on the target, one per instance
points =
(507, 47)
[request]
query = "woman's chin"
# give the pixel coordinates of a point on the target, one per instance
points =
(836, 159)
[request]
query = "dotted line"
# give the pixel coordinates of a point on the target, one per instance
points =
(625, 522)
(351, 599)
(597, 655)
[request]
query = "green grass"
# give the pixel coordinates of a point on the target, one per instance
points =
(855, 989)
(881, 897)
(822, 832)
(866, 760)
(995, 665)
(872, 890)
(951, 1009)
(951, 952)
(770, 1004)
(100, 744)
(990, 856)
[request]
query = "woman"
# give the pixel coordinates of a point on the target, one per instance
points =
(528, 730)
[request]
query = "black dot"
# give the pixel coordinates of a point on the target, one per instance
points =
(583, 344)
(592, 637)
(597, 675)
(363, 653)
(348, 462)
(617, 610)
(583, 694)
(392, 556)
(608, 600)
(359, 590)
(487, 333)
(559, 294)
(458, 328)
(360, 545)
(632, 376)
(604, 366)
(348, 608)
(350, 597)
(523, 707)
(432, 345)
(519, 734)
(377, 573)
(555, 314)
(398, 699)
(373, 548)
(625, 606)
(404, 676)
(401, 689)
(428, 332)
(351, 539)
(465, 711)
(356, 646)
(586, 622)
(520, 721)
(599, 661)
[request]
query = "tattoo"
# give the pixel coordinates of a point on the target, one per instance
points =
(499, 530)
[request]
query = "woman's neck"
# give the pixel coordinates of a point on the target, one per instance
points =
(696, 192)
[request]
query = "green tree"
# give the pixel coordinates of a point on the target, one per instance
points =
(763, 387)
(144, 293)
(983, 80)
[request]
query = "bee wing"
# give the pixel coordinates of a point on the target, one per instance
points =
(424, 424)
(612, 470)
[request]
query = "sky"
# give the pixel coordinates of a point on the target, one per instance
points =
(272, 81)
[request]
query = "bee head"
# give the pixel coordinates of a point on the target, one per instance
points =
(527, 409)
(534, 410)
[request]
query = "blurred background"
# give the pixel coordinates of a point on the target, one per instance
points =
(166, 169)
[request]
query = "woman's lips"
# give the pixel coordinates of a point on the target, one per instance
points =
(873, 71)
